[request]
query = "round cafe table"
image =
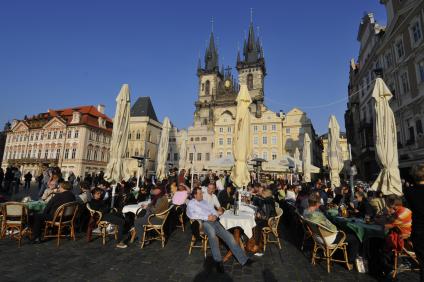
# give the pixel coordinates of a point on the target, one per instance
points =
(245, 221)
(134, 208)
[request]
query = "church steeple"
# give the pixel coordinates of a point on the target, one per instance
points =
(211, 56)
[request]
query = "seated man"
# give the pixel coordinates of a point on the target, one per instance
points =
(363, 208)
(62, 196)
(312, 213)
(199, 209)
(210, 197)
(265, 210)
(98, 204)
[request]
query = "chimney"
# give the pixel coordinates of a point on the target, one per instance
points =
(101, 108)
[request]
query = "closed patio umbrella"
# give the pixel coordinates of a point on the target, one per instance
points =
(183, 151)
(116, 169)
(334, 152)
(388, 181)
(163, 150)
(306, 158)
(241, 139)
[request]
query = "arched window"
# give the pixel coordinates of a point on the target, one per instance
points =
(250, 81)
(138, 135)
(207, 87)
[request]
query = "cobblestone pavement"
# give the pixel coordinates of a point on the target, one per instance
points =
(82, 261)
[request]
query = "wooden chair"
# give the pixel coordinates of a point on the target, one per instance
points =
(15, 220)
(307, 233)
(96, 220)
(319, 233)
(179, 210)
(272, 229)
(407, 252)
(204, 242)
(157, 228)
(63, 217)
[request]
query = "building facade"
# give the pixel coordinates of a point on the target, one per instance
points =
(397, 51)
(344, 146)
(75, 139)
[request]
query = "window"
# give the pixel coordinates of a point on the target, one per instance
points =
(416, 32)
(66, 154)
(57, 153)
(89, 154)
(287, 130)
(49, 135)
(264, 140)
(208, 157)
(74, 153)
(389, 59)
(69, 134)
(405, 82)
(399, 49)
(421, 70)
(97, 137)
(250, 81)
(255, 140)
(203, 139)
(190, 157)
(255, 128)
(60, 134)
(274, 156)
(220, 155)
(32, 137)
(76, 134)
(274, 127)
(46, 153)
(221, 130)
(129, 135)
(175, 156)
(39, 154)
(207, 87)
(54, 135)
(29, 154)
(264, 127)
(103, 156)
(221, 141)
(36, 136)
(265, 155)
(138, 135)
(199, 156)
(419, 126)
(274, 140)
(229, 141)
(229, 129)
(229, 154)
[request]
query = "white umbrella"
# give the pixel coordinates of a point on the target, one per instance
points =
(183, 150)
(335, 158)
(242, 147)
(163, 150)
(225, 163)
(306, 158)
(116, 168)
(388, 181)
(298, 162)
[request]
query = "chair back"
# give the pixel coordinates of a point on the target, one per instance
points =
(15, 210)
(275, 220)
(93, 214)
(321, 234)
(66, 213)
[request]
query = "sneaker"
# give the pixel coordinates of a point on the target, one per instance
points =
(258, 254)
(121, 245)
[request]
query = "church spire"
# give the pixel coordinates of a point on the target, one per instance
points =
(211, 55)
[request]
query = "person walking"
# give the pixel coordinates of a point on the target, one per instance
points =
(17, 179)
(28, 179)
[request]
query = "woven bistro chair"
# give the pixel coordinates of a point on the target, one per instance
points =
(180, 217)
(157, 228)
(272, 229)
(204, 240)
(63, 217)
(15, 221)
(319, 234)
(96, 220)
(406, 252)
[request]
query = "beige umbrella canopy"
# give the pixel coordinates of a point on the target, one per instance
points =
(335, 158)
(306, 158)
(183, 150)
(242, 147)
(163, 150)
(388, 181)
(116, 168)
(296, 157)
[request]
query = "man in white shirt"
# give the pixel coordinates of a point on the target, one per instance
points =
(199, 209)
(220, 183)
(210, 197)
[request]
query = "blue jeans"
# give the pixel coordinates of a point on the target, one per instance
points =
(214, 229)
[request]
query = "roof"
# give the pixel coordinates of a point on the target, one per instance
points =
(143, 107)
(89, 116)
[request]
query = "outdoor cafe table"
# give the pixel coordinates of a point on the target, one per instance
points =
(134, 208)
(358, 226)
(36, 206)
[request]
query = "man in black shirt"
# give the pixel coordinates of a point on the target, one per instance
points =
(415, 198)
(64, 195)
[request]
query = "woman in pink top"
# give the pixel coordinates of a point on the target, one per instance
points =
(181, 195)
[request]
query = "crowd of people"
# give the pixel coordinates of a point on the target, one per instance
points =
(204, 198)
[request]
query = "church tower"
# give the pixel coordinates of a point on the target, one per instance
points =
(210, 81)
(251, 69)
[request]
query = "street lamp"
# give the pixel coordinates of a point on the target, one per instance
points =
(140, 164)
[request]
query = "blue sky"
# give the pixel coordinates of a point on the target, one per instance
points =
(56, 54)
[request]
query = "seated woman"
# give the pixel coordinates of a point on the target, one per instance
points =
(98, 204)
(376, 201)
(363, 208)
(226, 197)
(266, 210)
(158, 204)
(52, 188)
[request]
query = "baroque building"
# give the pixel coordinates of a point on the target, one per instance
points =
(75, 139)
(397, 52)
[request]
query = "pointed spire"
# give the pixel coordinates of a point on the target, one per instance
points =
(211, 55)
(199, 64)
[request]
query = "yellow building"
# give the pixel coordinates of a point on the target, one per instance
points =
(343, 145)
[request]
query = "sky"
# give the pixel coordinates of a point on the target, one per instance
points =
(56, 53)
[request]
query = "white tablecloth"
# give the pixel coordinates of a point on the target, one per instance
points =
(134, 208)
(245, 220)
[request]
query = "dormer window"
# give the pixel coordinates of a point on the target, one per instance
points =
(76, 117)
(102, 122)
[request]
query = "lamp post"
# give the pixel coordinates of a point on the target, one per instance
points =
(140, 164)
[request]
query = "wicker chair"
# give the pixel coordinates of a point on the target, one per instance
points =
(319, 233)
(307, 233)
(157, 228)
(204, 242)
(15, 220)
(406, 252)
(102, 225)
(272, 229)
(180, 215)
(63, 217)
